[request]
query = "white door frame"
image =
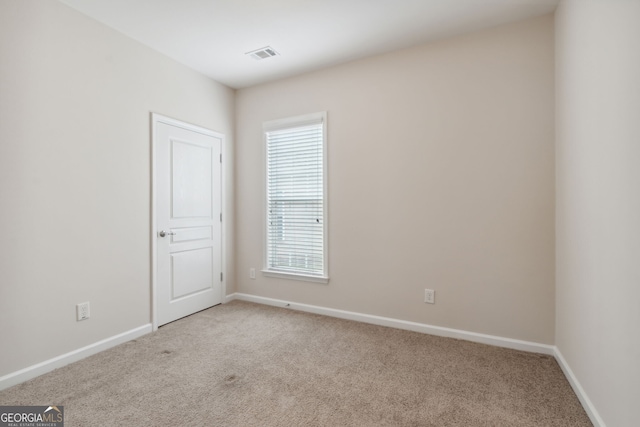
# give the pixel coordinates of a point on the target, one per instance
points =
(158, 118)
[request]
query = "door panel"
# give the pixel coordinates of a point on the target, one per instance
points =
(191, 272)
(191, 233)
(191, 169)
(187, 182)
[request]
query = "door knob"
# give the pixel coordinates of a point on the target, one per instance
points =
(164, 233)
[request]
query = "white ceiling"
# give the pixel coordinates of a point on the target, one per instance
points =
(212, 36)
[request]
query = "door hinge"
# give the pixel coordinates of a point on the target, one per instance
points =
(220, 158)
(220, 216)
(221, 276)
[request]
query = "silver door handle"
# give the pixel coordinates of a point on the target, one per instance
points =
(164, 233)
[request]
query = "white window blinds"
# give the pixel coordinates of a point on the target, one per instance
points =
(295, 198)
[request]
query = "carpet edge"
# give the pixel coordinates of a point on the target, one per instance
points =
(510, 343)
(38, 369)
(494, 340)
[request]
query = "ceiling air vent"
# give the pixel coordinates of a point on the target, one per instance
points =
(263, 53)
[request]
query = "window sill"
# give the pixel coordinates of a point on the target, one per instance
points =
(295, 276)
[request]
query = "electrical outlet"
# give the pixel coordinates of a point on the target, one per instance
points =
(429, 296)
(252, 273)
(82, 311)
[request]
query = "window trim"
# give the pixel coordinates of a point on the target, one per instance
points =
(290, 122)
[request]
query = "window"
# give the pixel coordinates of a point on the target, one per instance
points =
(296, 244)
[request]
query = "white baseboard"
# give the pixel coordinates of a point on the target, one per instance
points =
(401, 324)
(591, 411)
(73, 356)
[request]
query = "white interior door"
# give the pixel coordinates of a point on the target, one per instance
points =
(188, 219)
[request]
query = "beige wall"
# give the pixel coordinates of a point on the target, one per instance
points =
(75, 175)
(441, 175)
(598, 202)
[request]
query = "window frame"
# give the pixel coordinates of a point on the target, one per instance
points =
(281, 124)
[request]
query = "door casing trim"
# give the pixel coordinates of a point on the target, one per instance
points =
(159, 118)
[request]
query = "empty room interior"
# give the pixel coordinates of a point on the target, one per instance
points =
(478, 172)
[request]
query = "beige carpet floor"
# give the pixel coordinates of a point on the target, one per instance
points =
(244, 364)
